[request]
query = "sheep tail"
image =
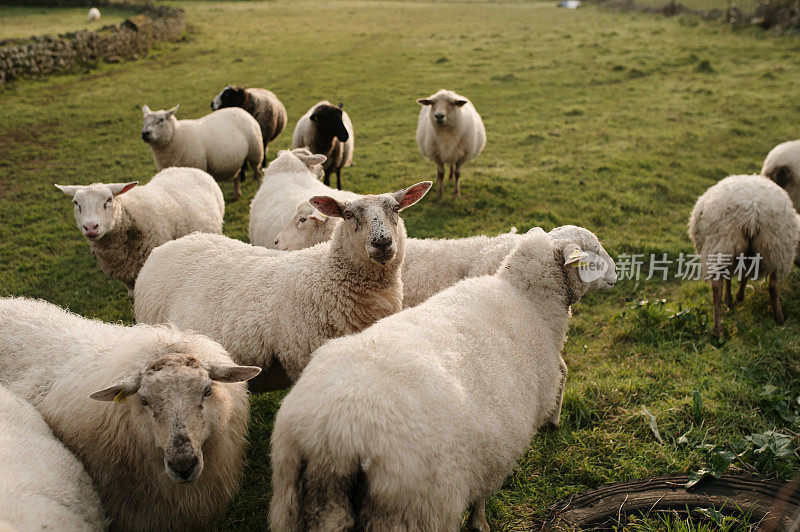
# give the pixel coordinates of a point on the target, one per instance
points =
(750, 222)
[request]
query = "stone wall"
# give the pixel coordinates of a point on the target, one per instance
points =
(47, 54)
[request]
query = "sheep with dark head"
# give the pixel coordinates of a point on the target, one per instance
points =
(327, 129)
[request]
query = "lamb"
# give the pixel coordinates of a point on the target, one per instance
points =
(430, 265)
(264, 309)
(737, 219)
(157, 416)
(449, 131)
(327, 129)
(124, 224)
(94, 14)
(222, 143)
(43, 485)
(290, 178)
(406, 424)
(265, 107)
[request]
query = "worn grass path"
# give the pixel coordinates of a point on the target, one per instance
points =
(614, 121)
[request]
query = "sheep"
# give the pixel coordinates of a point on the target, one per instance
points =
(782, 166)
(44, 486)
(743, 216)
(94, 14)
(148, 410)
(290, 178)
(267, 309)
(124, 224)
(327, 129)
(406, 424)
(221, 143)
(430, 265)
(449, 131)
(265, 107)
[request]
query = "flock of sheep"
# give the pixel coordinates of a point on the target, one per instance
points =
(420, 368)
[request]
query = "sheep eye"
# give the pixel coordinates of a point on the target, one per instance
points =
(144, 401)
(348, 214)
(207, 392)
(160, 120)
(396, 208)
(302, 220)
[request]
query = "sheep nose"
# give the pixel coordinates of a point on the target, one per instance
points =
(382, 243)
(276, 241)
(145, 136)
(91, 229)
(183, 467)
(439, 117)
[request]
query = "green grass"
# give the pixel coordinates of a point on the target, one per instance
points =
(613, 121)
(19, 22)
(747, 6)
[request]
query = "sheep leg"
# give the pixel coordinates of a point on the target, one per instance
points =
(740, 292)
(237, 186)
(773, 295)
(326, 179)
(457, 173)
(716, 295)
(555, 417)
(477, 517)
(452, 171)
(440, 178)
(339, 179)
(728, 296)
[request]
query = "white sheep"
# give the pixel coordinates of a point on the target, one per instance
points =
(94, 14)
(124, 224)
(449, 131)
(148, 410)
(327, 129)
(222, 143)
(264, 309)
(289, 179)
(744, 216)
(43, 485)
(406, 424)
(430, 264)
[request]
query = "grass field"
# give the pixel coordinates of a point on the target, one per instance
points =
(614, 121)
(19, 22)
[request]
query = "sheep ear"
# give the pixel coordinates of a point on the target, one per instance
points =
(119, 392)
(312, 160)
(424, 101)
(68, 190)
(409, 196)
(327, 205)
(145, 110)
(573, 254)
(460, 103)
(232, 373)
(173, 110)
(121, 188)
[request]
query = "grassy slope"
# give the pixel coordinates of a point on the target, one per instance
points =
(593, 117)
(26, 21)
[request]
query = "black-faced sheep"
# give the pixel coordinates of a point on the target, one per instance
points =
(265, 107)
(326, 129)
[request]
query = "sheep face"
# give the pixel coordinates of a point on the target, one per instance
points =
(307, 227)
(230, 96)
(158, 126)
(180, 402)
(96, 206)
(328, 121)
(444, 106)
(372, 223)
(582, 249)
